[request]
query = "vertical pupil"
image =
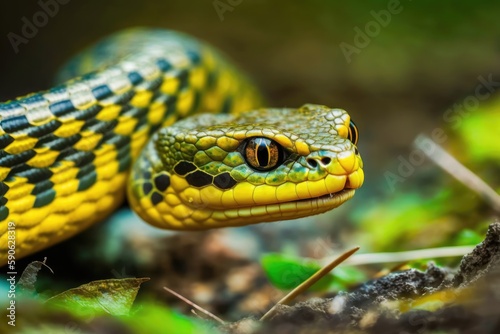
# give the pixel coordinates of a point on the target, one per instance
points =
(262, 154)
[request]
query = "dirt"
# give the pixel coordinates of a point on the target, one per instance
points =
(465, 300)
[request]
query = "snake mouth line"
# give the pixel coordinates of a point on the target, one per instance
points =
(307, 205)
(298, 208)
(331, 198)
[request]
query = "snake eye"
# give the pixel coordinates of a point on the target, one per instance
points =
(263, 154)
(353, 133)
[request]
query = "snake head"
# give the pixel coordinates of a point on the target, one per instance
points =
(265, 165)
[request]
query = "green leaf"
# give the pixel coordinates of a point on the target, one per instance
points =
(481, 144)
(349, 275)
(468, 237)
(286, 272)
(113, 296)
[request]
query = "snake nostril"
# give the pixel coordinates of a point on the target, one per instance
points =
(312, 162)
(325, 161)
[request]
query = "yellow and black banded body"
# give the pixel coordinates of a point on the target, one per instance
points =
(66, 153)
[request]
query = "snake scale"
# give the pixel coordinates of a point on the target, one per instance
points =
(121, 123)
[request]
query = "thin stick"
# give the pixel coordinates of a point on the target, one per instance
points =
(398, 257)
(310, 281)
(199, 308)
(451, 165)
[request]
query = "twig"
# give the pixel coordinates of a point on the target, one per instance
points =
(398, 257)
(310, 281)
(451, 165)
(199, 308)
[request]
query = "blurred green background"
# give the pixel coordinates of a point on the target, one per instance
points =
(427, 57)
(408, 70)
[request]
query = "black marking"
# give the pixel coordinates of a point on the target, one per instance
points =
(87, 114)
(101, 92)
(183, 77)
(140, 115)
(87, 181)
(116, 140)
(211, 79)
(44, 129)
(80, 158)
(62, 107)
(123, 98)
(163, 65)
(6, 107)
(33, 175)
(44, 198)
(171, 105)
(146, 188)
(124, 159)
(194, 56)
(56, 143)
(3, 188)
(162, 182)
(156, 198)
(135, 112)
(5, 140)
(3, 201)
(184, 167)
(224, 181)
(85, 77)
(4, 212)
(135, 78)
(14, 124)
(87, 169)
(197, 100)
(199, 179)
(154, 84)
(42, 186)
(14, 171)
(99, 127)
(11, 160)
(228, 104)
(141, 123)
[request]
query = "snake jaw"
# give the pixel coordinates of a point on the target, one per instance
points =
(193, 209)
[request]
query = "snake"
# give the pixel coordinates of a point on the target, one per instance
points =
(168, 122)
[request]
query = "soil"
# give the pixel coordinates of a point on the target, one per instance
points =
(375, 307)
